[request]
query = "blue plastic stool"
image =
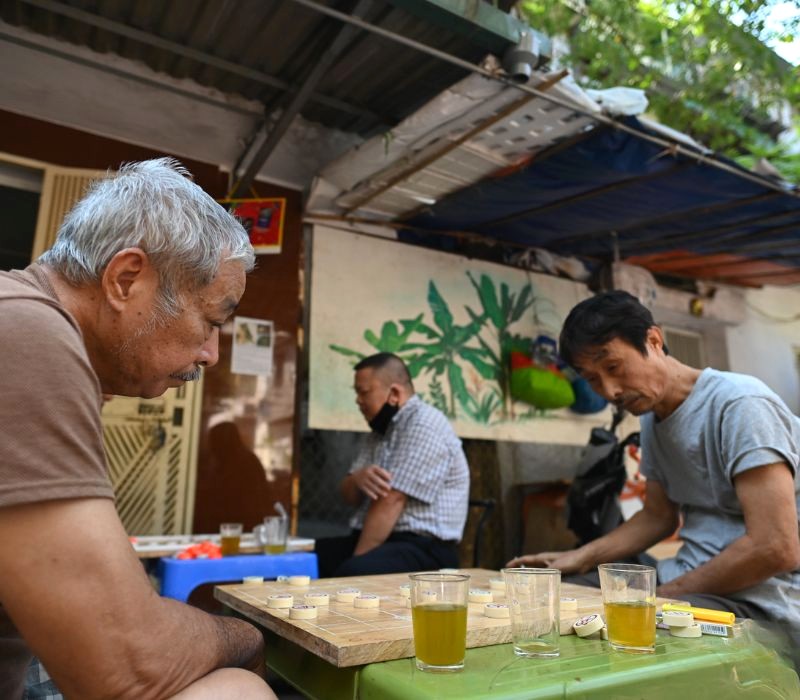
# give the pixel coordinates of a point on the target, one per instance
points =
(179, 577)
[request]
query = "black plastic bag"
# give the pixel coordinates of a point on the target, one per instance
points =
(593, 508)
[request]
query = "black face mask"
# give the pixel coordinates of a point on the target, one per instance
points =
(380, 423)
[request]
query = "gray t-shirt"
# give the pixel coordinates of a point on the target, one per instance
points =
(728, 424)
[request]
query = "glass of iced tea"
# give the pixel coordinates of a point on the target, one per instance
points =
(629, 599)
(439, 616)
(533, 597)
(230, 534)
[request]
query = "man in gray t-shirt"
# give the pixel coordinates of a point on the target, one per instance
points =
(718, 448)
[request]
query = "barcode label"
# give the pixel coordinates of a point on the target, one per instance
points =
(711, 628)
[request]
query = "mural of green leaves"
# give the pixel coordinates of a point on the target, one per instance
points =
(445, 350)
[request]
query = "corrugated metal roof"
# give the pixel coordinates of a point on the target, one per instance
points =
(264, 49)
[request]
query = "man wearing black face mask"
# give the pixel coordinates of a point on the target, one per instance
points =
(410, 482)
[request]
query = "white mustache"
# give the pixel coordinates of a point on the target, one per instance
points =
(192, 376)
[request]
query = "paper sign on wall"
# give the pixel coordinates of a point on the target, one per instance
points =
(253, 341)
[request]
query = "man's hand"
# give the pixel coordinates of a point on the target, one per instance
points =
(372, 480)
(654, 522)
(570, 562)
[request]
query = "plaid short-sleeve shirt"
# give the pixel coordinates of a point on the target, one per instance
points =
(427, 464)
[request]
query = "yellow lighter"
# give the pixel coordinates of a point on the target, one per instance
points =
(720, 616)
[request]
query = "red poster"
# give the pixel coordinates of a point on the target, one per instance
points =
(262, 219)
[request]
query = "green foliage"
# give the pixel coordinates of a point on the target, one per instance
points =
(438, 398)
(703, 65)
(448, 341)
(483, 408)
(502, 311)
(390, 339)
(445, 349)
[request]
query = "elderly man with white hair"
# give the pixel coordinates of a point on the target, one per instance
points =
(145, 270)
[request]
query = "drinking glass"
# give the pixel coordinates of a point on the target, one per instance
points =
(230, 534)
(271, 536)
(439, 616)
(629, 599)
(533, 597)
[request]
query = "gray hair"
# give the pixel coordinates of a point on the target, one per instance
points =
(152, 205)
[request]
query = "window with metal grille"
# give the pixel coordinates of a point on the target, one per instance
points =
(686, 346)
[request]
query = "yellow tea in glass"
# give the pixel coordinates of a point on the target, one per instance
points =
(440, 633)
(629, 598)
(631, 625)
(439, 616)
(230, 545)
(274, 548)
(230, 534)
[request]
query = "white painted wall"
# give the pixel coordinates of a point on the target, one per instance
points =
(765, 344)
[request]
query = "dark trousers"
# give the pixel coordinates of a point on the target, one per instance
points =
(402, 551)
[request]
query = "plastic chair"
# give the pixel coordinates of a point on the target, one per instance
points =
(487, 504)
(179, 577)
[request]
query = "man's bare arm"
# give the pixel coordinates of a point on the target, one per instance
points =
(372, 481)
(657, 520)
(770, 546)
(380, 521)
(83, 603)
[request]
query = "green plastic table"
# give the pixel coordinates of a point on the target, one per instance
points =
(710, 668)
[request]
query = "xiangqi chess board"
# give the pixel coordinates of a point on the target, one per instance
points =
(347, 636)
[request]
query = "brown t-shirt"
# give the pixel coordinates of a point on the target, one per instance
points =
(51, 440)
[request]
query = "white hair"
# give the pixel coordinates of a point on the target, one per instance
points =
(152, 205)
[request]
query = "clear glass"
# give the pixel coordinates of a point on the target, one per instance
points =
(439, 615)
(533, 597)
(629, 599)
(230, 534)
(271, 536)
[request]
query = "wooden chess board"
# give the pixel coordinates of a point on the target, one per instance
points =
(348, 636)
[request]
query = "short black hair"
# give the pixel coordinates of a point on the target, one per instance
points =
(600, 319)
(390, 364)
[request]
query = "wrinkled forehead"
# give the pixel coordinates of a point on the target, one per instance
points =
(589, 357)
(593, 356)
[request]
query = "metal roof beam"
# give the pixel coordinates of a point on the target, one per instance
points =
(139, 35)
(345, 35)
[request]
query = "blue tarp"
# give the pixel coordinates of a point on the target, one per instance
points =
(569, 199)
